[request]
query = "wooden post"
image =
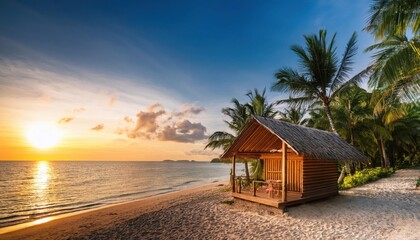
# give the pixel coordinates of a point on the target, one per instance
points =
(254, 188)
(284, 172)
(233, 172)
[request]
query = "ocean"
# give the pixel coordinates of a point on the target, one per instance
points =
(30, 190)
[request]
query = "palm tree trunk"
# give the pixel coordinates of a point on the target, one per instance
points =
(329, 116)
(346, 168)
(341, 177)
(247, 172)
(384, 155)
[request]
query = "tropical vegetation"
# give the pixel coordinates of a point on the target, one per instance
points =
(239, 115)
(365, 176)
(383, 122)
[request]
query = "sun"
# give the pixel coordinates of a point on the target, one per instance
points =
(43, 135)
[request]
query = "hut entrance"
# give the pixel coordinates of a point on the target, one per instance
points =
(294, 170)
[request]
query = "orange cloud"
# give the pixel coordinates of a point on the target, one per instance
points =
(150, 125)
(146, 124)
(98, 127)
(65, 120)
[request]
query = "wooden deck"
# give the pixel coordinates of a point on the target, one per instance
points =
(293, 198)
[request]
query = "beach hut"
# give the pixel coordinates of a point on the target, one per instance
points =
(300, 163)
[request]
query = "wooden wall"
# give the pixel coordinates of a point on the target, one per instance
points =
(319, 177)
(272, 170)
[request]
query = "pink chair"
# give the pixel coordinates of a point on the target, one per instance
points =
(270, 190)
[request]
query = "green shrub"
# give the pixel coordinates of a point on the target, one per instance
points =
(364, 176)
(418, 182)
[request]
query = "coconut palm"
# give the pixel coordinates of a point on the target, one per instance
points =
(396, 68)
(397, 58)
(322, 76)
(351, 109)
(294, 114)
(239, 116)
(393, 18)
(258, 105)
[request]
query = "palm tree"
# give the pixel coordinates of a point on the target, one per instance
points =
(239, 116)
(294, 114)
(397, 60)
(396, 68)
(393, 18)
(406, 135)
(322, 75)
(384, 122)
(258, 105)
(351, 109)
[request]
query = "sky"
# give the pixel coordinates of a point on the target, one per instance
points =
(146, 80)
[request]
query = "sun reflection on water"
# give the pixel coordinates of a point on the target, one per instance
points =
(42, 175)
(41, 185)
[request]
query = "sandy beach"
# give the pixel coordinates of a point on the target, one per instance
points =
(386, 209)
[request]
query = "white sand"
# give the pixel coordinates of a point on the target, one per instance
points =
(386, 209)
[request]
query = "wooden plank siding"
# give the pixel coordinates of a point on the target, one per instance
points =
(272, 168)
(319, 177)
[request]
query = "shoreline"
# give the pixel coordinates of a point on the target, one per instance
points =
(385, 209)
(45, 220)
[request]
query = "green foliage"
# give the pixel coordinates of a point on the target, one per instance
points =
(322, 75)
(294, 114)
(365, 176)
(418, 182)
(257, 169)
(239, 115)
(228, 202)
(391, 17)
(396, 62)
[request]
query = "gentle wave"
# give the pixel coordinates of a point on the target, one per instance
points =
(34, 190)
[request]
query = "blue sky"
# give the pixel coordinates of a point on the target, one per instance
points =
(175, 53)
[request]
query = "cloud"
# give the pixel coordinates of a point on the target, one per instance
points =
(189, 110)
(127, 119)
(146, 124)
(154, 123)
(155, 107)
(184, 131)
(98, 127)
(195, 152)
(65, 120)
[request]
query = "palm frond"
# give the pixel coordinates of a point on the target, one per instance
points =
(346, 62)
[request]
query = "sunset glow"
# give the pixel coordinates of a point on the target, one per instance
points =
(146, 86)
(42, 135)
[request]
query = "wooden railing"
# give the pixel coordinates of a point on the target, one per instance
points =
(276, 185)
(240, 183)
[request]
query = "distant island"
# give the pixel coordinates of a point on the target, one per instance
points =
(169, 160)
(218, 160)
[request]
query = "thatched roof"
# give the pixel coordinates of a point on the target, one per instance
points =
(303, 140)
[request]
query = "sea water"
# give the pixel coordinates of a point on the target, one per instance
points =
(31, 190)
